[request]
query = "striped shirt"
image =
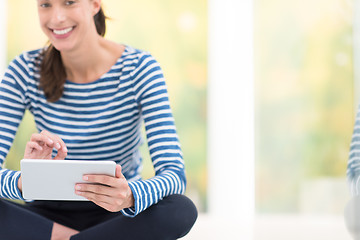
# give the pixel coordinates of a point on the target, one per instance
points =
(353, 168)
(101, 120)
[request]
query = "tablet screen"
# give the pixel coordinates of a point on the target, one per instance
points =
(56, 179)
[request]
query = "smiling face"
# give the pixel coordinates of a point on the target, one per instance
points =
(68, 23)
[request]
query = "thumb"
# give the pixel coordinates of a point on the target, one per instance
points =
(118, 173)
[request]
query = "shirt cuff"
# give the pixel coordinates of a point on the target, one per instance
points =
(133, 211)
(18, 193)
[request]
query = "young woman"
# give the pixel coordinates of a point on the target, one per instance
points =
(89, 97)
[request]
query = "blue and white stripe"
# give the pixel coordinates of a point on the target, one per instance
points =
(353, 168)
(100, 121)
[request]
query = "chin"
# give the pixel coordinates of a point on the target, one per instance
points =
(62, 47)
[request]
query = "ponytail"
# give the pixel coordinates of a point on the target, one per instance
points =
(52, 70)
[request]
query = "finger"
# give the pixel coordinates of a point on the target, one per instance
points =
(33, 145)
(63, 147)
(101, 179)
(30, 147)
(53, 138)
(94, 197)
(61, 155)
(96, 188)
(42, 139)
(104, 202)
(118, 173)
(58, 142)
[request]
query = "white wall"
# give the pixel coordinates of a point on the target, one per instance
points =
(231, 109)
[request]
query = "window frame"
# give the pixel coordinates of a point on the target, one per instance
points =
(231, 161)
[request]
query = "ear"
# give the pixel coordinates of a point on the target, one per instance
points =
(96, 5)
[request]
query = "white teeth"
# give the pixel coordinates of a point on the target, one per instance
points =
(62, 32)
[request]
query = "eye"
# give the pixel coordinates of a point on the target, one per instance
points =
(68, 3)
(45, 5)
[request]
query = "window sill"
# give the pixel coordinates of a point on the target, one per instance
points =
(268, 227)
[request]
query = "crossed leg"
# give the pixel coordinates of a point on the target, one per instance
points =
(171, 218)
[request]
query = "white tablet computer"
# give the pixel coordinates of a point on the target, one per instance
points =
(56, 179)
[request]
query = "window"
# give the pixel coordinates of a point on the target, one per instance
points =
(305, 105)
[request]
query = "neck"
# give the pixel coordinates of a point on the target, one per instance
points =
(84, 64)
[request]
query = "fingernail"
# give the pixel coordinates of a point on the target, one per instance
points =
(78, 187)
(57, 146)
(65, 149)
(50, 141)
(86, 178)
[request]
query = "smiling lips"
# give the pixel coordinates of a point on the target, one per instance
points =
(62, 33)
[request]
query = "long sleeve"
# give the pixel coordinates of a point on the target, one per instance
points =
(165, 152)
(12, 107)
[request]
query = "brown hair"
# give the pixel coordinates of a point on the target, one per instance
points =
(52, 70)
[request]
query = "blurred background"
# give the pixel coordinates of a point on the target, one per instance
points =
(305, 97)
(304, 104)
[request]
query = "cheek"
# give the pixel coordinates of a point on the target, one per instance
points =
(44, 24)
(44, 28)
(42, 20)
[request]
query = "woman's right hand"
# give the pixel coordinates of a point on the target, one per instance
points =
(42, 144)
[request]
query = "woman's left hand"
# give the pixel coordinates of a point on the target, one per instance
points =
(110, 193)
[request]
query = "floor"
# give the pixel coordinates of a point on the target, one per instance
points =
(282, 227)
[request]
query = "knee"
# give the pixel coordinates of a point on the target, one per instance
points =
(352, 216)
(183, 214)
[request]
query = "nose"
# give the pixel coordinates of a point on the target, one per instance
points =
(59, 14)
